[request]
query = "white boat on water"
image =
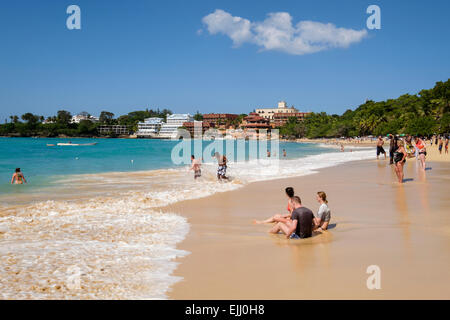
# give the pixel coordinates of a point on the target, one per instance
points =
(77, 144)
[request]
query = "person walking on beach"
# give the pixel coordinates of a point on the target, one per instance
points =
(400, 159)
(196, 163)
(342, 147)
(422, 151)
(380, 148)
(441, 144)
(322, 220)
(222, 166)
(18, 177)
(300, 224)
(290, 194)
(446, 145)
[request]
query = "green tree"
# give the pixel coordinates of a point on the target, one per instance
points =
(106, 117)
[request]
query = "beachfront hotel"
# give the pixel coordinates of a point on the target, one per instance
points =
(205, 125)
(174, 121)
(268, 113)
(150, 127)
(114, 129)
(219, 119)
(279, 119)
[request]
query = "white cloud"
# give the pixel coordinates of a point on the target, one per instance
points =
(277, 32)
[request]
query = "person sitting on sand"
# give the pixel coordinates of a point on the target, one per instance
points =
(196, 163)
(18, 177)
(289, 193)
(222, 166)
(299, 226)
(322, 220)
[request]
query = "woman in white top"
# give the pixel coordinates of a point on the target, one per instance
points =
(323, 217)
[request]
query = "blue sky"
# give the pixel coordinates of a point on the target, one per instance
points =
(130, 55)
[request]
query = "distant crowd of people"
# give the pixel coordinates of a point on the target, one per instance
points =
(401, 149)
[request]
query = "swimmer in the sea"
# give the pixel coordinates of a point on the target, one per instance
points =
(18, 177)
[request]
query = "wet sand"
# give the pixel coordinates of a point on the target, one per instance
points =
(404, 229)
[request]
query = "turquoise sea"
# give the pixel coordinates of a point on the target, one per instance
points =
(40, 163)
(92, 215)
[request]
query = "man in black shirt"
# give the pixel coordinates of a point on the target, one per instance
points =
(300, 224)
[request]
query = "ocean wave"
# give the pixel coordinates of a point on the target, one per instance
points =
(111, 241)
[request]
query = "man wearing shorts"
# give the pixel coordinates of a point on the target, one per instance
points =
(299, 226)
(222, 168)
(380, 148)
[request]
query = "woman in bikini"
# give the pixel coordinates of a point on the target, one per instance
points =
(399, 160)
(18, 177)
(420, 145)
(289, 193)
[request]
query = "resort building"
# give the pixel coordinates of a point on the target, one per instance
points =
(174, 121)
(280, 119)
(219, 119)
(268, 113)
(190, 126)
(150, 127)
(83, 116)
(255, 121)
(114, 129)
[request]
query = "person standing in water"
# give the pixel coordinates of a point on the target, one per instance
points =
(441, 144)
(400, 159)
(222, 166)
(380, 148)
(422, 151)
(284, 153)
(196, 163)
(446, 145)
(18, 177)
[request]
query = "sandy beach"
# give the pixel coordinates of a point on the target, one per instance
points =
(403, 229)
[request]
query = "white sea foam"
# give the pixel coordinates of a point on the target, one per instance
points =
(111, 241)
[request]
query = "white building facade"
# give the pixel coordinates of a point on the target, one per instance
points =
(81, 116)
(174, 121)
(150, 127)
(267, 113)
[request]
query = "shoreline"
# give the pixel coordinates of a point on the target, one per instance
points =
(232, 259)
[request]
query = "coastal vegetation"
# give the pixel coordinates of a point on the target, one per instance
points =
(423, 114)
(61, 124)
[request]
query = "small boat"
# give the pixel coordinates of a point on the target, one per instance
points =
(77, 144)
